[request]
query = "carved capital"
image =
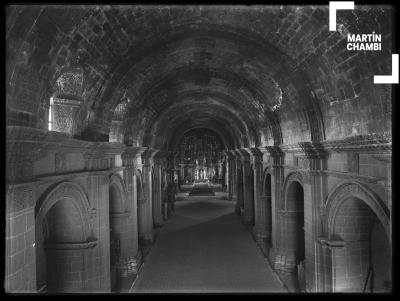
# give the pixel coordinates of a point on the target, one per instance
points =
(131, 156)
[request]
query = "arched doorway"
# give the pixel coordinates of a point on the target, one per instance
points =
(295, 205)
(364, 262)
(62, 240)
(295, 235)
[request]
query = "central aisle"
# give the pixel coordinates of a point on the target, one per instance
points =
(205, 248)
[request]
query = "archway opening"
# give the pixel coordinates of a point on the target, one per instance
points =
(365, 264)
(58, 264)
(295, 228)
(295, 203)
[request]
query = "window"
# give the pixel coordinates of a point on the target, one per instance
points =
(51, 114)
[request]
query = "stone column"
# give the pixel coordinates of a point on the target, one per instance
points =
(312, 160)
(130, 158)
(273, 156)
(288, 249)
(260, 223)
(248, 210)
(330, 265)
(21, 258)
(238, 179)
(230, 176)
(146, 206)
(227, 180)
(97, 159)
(157, 197)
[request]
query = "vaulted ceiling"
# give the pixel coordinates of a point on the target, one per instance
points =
(257, 75)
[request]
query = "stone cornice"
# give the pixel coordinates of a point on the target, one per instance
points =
(273, 151)
(49, 178)
(243, 154)
(365, 143)
(373, 143)
(306, 149)
(33, 144)
(343, 175)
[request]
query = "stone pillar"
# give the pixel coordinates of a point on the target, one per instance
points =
(157, 197)
(286, 258)
(146, 205)
(98, 196)
(260, 223)
(248, 209)
(330, 265)
(273, 156)
(21, 249)
(121, 223)
(129, 161)
(312, 160)
(230, 176)
(239, 187)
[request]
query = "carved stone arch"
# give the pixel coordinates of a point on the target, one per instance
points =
(292, 177)
(267, 171)
(119, 184)
(346, 190)
(61, 191)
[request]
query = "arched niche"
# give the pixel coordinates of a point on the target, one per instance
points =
(358, 223)
(292, 223)
(119, 227)
(63, 239)
(292, 177)
(357, 190)
(267, 198)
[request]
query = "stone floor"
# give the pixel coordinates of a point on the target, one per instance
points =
(204, 247)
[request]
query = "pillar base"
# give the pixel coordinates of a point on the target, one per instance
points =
(261, 240)
(147, 238)
(285, 264)
(129, 266)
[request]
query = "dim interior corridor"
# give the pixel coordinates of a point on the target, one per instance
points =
(204, 247)
(197, 148)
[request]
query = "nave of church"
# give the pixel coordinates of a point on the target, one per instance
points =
(159, 149)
